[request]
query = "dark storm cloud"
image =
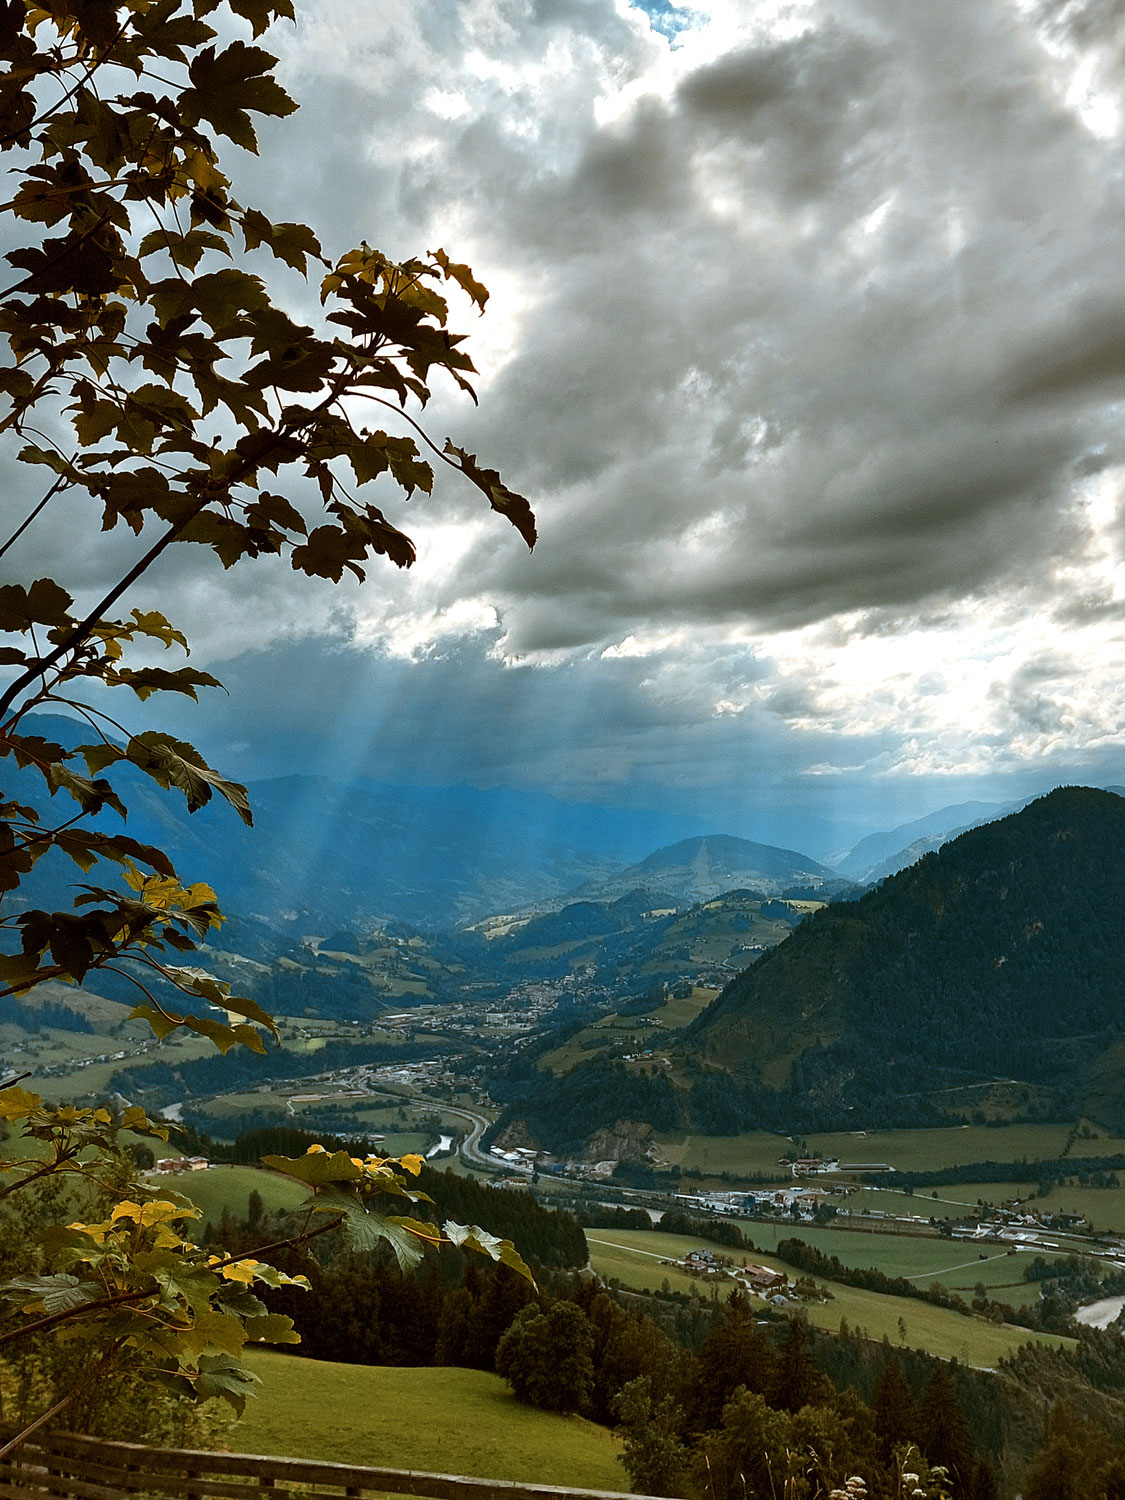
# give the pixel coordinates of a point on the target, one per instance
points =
(591, 730)
(676, 367)
(816, 328)
(715, 332)
(1081, 355)
(805, 104)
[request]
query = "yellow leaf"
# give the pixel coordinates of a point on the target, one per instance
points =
(97, 1232)
(167, 1239)
(159, 1211)
(244, 1271)
(17, 1103)
(203, 172)
(411, 1164)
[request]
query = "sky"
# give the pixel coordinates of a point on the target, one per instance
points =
(806, 340)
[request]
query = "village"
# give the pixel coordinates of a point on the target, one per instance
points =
(772, 1287)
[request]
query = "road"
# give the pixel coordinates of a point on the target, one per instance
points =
(477, 1126)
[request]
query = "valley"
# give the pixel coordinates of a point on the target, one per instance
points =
(784, 1093)
(382, 1090)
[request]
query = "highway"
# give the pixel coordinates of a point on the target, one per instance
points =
(469, 1146)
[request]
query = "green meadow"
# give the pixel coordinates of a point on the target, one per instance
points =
(678, 1012)
(930, 1150)
(752, 1155)
(634, 1258)
(447, 1421)
(230, 1187)
(1104, 1207)
(922, 1259)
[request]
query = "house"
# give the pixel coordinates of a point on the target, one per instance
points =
(762, 1279)
(701, 1258)
(705, 1263)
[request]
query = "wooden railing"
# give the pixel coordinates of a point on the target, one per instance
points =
(63, 1466)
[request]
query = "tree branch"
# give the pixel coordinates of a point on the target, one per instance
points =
(74, 636)
(43, 1171)
(122, 1299)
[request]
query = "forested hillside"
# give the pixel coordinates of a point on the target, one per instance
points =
(994, 964)
(998, 956)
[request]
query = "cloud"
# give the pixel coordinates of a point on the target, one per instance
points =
(807, 340)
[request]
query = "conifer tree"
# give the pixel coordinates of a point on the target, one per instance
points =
(896, 1412)
(945, 1439)
(984, 1486)
(735, 1353)
(797, 1381)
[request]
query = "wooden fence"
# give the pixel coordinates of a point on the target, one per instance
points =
(63, 1466)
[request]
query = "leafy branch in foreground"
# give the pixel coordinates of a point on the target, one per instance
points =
(132, 322)
(157, 387)
(135, 1286)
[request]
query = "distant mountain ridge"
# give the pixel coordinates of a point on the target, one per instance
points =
(699, 868)
(325, 853)
(882, 854)
(643, 937)
(329, 852)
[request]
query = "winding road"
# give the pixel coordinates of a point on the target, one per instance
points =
(469, 1146)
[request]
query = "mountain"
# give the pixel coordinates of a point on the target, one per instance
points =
(699, 868)
(641, 938)
(988, 977)
(1000, 957)
(883, 854)
(330, 852)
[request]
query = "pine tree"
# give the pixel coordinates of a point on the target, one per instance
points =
(896, 1412)
(945, 1439)
(797, 1381)
(984, 1486)
(1058, 1474)
(735, 1353)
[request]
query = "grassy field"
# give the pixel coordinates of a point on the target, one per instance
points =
(614, 1031)
(755, 1154)
(224, 1119)
(634, 1257)
(1104, 1207)
(447, 1420)
(956, 1266)
(929, 1150)
(678, 1013)
(611, 1032)
(94, 1079)
(230, 1187)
